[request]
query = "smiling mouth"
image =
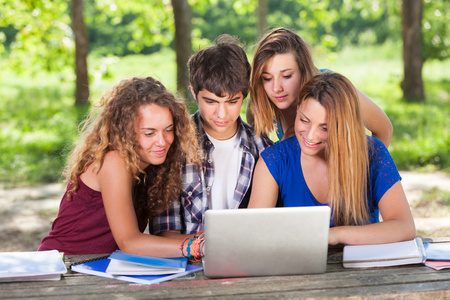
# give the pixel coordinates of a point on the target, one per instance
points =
(281, 98)
(309, 144)
(221, 124)
(160, 152)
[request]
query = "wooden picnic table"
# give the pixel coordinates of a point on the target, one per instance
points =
(409, 281)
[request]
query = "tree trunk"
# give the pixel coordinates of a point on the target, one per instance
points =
(81, 50)
(262, 16)
(183, 43)
(412, 84)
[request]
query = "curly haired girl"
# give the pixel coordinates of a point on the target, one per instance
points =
(125, 169)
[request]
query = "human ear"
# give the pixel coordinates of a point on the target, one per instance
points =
(192, 91)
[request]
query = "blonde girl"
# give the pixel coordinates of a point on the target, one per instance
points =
(330, 161)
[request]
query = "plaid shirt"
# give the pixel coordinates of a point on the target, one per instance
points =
(196, 187)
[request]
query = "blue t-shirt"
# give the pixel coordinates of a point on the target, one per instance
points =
(283, 162)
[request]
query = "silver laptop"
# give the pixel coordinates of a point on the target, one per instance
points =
(266, 241)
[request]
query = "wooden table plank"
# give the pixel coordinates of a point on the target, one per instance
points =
(410, 281)
(336, 284)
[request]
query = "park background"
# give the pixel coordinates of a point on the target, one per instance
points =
(396, 52)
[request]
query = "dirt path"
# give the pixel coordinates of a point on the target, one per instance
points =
(27, 213)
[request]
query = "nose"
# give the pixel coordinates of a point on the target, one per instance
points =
(161, 139)
(312, 133)
(221, 111)
(277, 86)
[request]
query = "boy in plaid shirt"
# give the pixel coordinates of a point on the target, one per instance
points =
(219, 80)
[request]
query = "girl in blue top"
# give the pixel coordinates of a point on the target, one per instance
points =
(331, 161)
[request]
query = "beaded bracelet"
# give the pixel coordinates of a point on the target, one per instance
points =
(182, 247)
(195, 248)
(188, 249)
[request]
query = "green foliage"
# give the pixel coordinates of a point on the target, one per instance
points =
(42, 36)
(36, 35)
(436, 29)
(133, 25)
(225, 15)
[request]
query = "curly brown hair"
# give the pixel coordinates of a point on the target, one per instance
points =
(110, 127)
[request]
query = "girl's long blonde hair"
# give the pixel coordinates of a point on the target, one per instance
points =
(110, 127)
(347, 152)
(277, 41)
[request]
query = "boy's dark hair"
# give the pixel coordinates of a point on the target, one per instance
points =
(222, 68)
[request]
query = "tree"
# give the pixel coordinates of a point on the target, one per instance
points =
(183, 44)
(81, 51)
(412, 84)
(262, 16)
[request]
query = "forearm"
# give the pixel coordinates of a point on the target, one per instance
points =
(173, 234)
(152, 245)
(394, 230)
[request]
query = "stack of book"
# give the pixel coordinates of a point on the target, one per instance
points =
(137, 268)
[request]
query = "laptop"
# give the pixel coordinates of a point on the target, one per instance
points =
(266, 241)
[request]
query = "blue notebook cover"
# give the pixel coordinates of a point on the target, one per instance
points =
(99, 267)
(436, 251)
(156, 262)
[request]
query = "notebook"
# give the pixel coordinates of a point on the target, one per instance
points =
(123, 263)
(266, 241)
(384, 255)
(29, 266)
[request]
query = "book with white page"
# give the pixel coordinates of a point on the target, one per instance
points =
(31, 266)
(123, 263)
(384, 255)
(98, 268)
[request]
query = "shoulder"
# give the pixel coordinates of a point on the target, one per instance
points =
(376, 148)
(197, 119)
(284, 148)
(114, 157)
(113, 162)
(113, 167)
(248, 133)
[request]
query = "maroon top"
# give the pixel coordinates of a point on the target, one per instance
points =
(81, 226)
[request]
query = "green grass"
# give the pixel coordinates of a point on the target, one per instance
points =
(38, 122)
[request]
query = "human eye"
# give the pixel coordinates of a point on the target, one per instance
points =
(149, 134)
(266, 79)
(303, 120)
(287, 76)
(324, 128)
